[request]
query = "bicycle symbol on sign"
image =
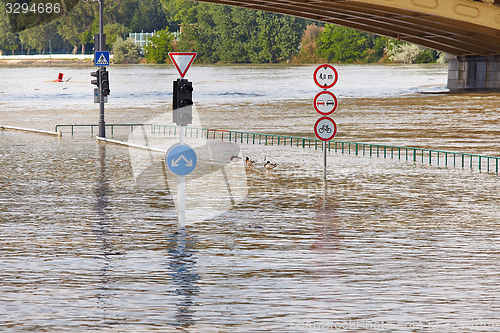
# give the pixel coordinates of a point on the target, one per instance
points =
(324, 128)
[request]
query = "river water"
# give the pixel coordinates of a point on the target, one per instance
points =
(89, 238)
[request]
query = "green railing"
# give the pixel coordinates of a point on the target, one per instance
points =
(112, 126)
(437, 157)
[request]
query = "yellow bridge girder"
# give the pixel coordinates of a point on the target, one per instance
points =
(457, 27)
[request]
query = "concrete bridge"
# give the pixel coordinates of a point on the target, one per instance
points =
(468, 31)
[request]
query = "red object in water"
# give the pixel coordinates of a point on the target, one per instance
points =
(59, 78)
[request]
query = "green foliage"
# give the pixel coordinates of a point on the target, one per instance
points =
(125, 51)
(77, 27)
(339, 44)
(181, 10)
(309, 46)
(149, 16)
(8, 40)
(158, 46)
(217, 33)
(410, 53)
(231, 34)
(426, 56)
(279, 36)
(113, 32)
(40, 37)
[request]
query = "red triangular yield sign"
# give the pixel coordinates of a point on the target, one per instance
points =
(182, 61)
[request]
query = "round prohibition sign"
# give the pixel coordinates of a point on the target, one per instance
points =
(325, 76)
(325, 103)
(325, 128)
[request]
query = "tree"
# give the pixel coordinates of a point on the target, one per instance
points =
(279, 36)
(149, 16)
(183, 11)
(158, 46)
(233, 34)
(125, 51)
(77, 26)
(339, 44)
(119, 11)
(114, 31)
(40, 37)
(411, 54)
(309, 45)
(8, 40)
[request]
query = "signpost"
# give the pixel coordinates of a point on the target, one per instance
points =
(180, 158)
(325, 103)
(101, 59)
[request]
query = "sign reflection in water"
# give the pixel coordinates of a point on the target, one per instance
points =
(182, 267)
(101, 228)
(181, 259)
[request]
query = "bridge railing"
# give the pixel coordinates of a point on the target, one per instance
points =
(430, 156)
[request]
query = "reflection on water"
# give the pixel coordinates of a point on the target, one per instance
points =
(182, 264)
(326, 221)
(84, 249)
(101, 227)
(90, 244)
(327, 228)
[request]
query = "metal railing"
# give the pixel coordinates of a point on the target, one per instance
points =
(436, 157)
(142, 38)
(112, 126)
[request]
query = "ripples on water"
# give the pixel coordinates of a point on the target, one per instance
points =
(84, 247)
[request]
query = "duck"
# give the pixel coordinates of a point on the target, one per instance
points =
(249, 162)
(235, 158)
(268, 165)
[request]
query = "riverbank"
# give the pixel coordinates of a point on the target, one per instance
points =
(51, 59)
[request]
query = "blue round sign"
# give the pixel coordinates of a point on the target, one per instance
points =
(181, 159)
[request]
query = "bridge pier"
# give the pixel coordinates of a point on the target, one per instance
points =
(473, 73)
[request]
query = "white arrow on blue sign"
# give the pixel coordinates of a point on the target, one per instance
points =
(181, 159)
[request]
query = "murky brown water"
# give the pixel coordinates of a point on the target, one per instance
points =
(89, 239)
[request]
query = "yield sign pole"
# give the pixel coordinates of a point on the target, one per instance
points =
(182, 61)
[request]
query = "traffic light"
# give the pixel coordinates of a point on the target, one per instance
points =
(96, 75)
(182, 102)
(105, 82)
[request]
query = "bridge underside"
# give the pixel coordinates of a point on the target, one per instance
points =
(467, 28)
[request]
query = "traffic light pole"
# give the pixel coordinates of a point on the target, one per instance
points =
(102, 47)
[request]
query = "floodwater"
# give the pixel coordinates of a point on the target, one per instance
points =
(89, 238)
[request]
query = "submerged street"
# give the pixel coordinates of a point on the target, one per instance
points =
(89, 231)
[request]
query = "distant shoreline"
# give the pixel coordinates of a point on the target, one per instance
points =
(45, 62)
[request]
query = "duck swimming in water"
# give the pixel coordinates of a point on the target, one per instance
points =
(249, 162)
(268, 165)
